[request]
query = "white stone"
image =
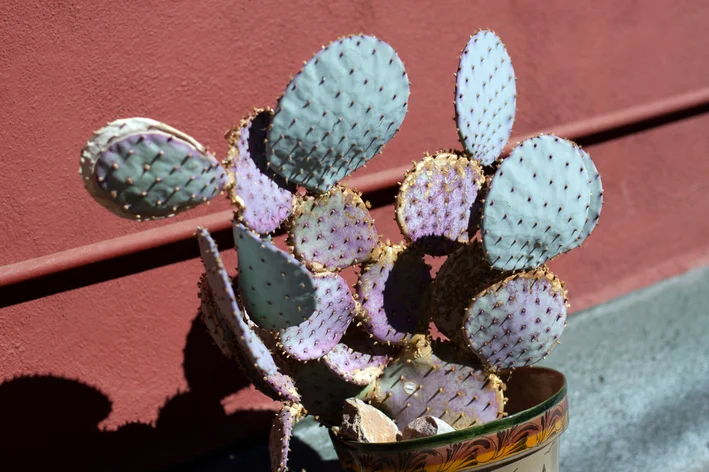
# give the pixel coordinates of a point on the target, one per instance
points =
(424, 427)
(364, 423)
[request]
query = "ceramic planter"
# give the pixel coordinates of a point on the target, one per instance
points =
(527, 440)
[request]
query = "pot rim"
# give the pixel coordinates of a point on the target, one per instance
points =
(467, 433)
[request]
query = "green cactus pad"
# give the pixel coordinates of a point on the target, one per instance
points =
(253, 354)
(437, 379)
(348, 101)
(433, 206)
(280, 435)
(485, 97)
(463, 275)
(537, 204)
(594, 211)
(142, 169)
(316, 336)
(276, 289)
(323, 392)
(333, 231)
(517, 321)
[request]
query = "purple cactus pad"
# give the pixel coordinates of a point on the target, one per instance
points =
(315, 337)
(434, 203)
(334, 230)
(437, 379)
(253, 351)
(357, 359)
(264, 198)
(464, 274)
(279, 437)
(393, 291)
(516, 322)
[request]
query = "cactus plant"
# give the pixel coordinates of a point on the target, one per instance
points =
(142, 169)
(299, 332)
(263, 199)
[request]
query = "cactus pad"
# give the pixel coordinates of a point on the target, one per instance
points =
(596, 202)
(393, 291)
(213, 319)
(142, 169)
(334, 230)
(485, 97)
(277, 290)
(537, 204)
(438, 380)
(433, 206)
(256, 358)
(263, 198)
(517, 322)
(280, 435)
(463, 275)
(323, 392)
(338, 112)
(334, 311)
(357, 359)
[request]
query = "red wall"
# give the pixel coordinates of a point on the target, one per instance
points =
(68, 67)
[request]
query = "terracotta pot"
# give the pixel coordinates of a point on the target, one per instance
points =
(527, 440)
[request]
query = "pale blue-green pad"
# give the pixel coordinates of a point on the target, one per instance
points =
(338, 112)
(276, 289)
(537, 204)
(485, 97)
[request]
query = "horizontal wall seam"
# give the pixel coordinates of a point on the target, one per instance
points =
(134, 253)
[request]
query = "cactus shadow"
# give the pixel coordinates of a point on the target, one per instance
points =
(51, 422)
(405, 291)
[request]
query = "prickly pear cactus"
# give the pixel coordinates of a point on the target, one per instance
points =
(289, 318)
(518, 321)
(323, 393)
(260, 362)
(333, 231)
(434, 203)
(358, 359)
(277, 290)
(393, 291)
(281, 432)
(318, 335)
(596, 202)
(463, 275)
(338, 112)
(537, 204)
(437, 379)
(217, 326)
(142, 169)
(485, 97)
(263, 198)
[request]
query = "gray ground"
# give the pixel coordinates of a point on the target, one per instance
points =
(638, 375)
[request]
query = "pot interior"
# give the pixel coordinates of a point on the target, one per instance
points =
(527, 387)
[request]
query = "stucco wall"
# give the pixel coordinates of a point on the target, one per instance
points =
(68, 67)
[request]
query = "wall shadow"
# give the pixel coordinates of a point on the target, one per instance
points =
(51, 423)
